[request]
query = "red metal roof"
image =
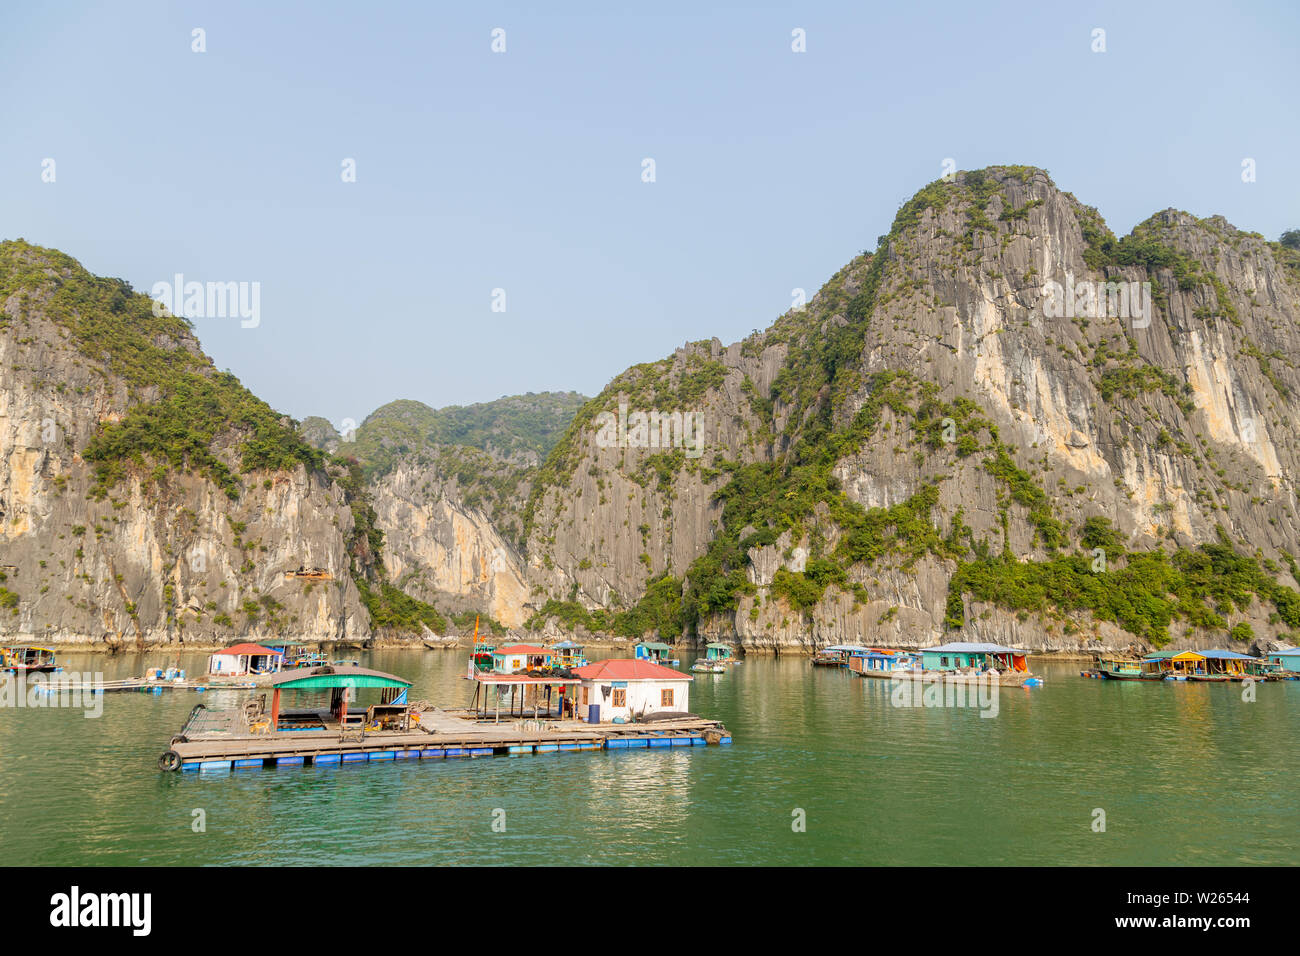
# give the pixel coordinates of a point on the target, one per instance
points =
(522, 649)
(628, 669)
(252, 650)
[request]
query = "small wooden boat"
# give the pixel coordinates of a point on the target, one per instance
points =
(27, 659)
(705, 666)
(1123, 668)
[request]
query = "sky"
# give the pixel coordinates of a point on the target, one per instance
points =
(500, 236)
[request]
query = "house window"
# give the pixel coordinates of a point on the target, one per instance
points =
(585, 698)
(666, 698)
(620, 697)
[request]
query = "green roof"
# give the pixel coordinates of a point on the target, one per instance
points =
(654, 646)
(327, 678)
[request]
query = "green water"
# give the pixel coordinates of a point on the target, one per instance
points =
(1186, 774)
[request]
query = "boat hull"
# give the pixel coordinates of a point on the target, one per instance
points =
(951, 677)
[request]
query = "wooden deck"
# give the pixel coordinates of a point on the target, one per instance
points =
(221, 740)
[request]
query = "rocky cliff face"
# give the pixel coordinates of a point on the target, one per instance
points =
(163, 554)
(1025, 409)
(442, 548)
(1005, 424)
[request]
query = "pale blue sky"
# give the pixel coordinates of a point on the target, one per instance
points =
(522, 170)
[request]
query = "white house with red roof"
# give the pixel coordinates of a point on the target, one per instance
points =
(520, 657)
(245, 659)
(627, 689)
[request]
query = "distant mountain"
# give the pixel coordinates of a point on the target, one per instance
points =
(524, 427)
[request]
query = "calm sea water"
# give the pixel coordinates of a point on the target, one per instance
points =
(1186, 774)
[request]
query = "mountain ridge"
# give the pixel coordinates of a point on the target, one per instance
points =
(948, 436)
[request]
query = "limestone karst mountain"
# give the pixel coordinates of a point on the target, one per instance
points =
(145, 496)
(947, 437)
(1005, 421)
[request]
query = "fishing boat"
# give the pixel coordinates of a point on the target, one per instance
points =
(1124, 668)
(480, 659)
(706, 666)
(656, 653)
(27, 659)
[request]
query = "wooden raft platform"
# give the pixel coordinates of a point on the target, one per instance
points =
(224, 743)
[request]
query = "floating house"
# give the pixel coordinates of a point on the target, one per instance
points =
(1228, 665)
(656, 652)
(1287, 659)
(1213, 665)
(622, 690)
(520, 658)
(297, 654)
(882, 662)
(328, 728)
(568, 654)
(244, 659)
(720, 653)
(390, 713)
(964, 661)
(836, 655)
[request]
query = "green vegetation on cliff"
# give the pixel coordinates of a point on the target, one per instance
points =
(185, 408)
(658, 612)
(1143, 595)
(390, 607)
(514, 425)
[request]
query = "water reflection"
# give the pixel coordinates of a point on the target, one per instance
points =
(1187, 774)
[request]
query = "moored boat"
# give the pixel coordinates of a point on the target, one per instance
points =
(1125, 668)
(28, 659)
(706, 666)
(836, 655)
(970, 663)
(882, 662)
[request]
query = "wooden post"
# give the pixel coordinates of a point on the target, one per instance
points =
(275, 711)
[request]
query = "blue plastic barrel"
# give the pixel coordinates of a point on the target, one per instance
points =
(593, 713)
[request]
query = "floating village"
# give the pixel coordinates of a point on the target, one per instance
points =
(304, 709)
(525, 699)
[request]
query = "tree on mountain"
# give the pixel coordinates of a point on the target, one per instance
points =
(1291, 239)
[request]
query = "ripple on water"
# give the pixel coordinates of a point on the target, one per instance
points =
(1186, 774)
